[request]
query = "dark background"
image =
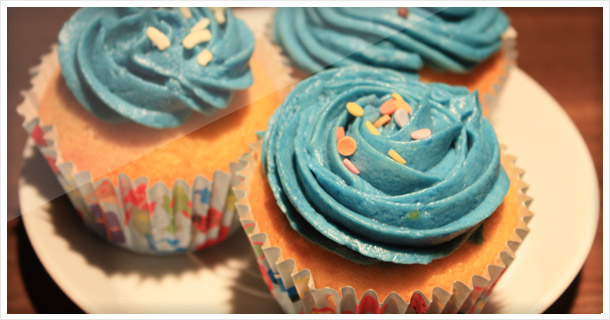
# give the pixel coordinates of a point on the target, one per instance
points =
(561, 48)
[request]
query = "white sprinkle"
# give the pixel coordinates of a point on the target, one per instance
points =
(186, 12)
(219, 15)
(204, 57)
(202, 24)
(158, 38)
(193, 38)
(401, 117)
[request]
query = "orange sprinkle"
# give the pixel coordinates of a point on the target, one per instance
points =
(340, 133)
(382, 120)
(347, 146)
(401, 104)
(388, 107)
(350, 166)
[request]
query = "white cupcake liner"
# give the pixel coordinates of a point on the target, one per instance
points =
(133, 215)
(295, 290)
(509, 55)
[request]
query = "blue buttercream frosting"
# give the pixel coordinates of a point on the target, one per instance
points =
(115, 71)
(407, 214)
(447, 39)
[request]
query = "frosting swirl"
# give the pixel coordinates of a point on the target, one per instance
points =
(114, 68)
(447, 39)
(389, 211)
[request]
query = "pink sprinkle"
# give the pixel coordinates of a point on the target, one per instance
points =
(403, 12)
(350, 166)
(388, 107)
(340, 133)
(420, 134)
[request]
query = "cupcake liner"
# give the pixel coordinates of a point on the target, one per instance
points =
(260, 21)
(509, 56)
(150, 219)
(146, 219)
(296, 292)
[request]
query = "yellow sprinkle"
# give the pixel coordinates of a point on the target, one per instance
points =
(371, 128)
(158, 38)
(196, 37)
(204, 57)
(202, 24)
(219, 15)
(396, 96)
(186, 12)
(394, 155)
(401, 104)
(354, 109)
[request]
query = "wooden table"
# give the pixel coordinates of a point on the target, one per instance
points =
(565, 58)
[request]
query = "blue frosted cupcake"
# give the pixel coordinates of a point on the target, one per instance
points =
(375, 193)
(459, 46)
(143, 113)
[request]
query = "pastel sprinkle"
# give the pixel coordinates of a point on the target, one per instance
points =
(354, 109)
(388, 107)
(382, 120)
(347, 146)
(340, 133)
(401, 104)
(196, 37)
(413, 215)
(401, 117)
(186, 12)
(204, 57)
(394, 155)
(396, 96)
(201, 24)
(403, 12)
(219, 15)
(158, 38)
(372, 128)
(350, 166)
(420, 134)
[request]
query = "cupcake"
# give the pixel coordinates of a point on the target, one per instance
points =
(375, 193)
(473, 47)
(143, 113)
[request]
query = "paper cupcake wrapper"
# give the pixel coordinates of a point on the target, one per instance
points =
(295, 288)
(133, 215)
(509, 55)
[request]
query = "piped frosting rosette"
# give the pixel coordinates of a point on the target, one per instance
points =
(405, 190)
(447, 39)
(155, 66)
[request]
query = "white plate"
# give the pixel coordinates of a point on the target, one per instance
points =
(560, 172)
(100, 278)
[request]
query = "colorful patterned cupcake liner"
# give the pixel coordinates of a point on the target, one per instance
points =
(133, 215)
(295, 288)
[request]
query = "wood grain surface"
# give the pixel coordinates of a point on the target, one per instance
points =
(565, 58)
